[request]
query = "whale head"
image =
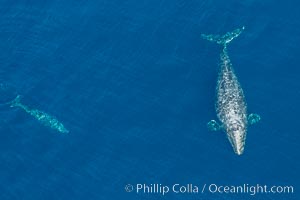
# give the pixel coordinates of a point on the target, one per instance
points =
(236, 134)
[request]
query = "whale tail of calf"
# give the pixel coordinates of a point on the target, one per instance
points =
(223, 39)
(16, 102)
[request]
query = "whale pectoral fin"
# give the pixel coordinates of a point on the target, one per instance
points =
(212, 125)
(253, 118)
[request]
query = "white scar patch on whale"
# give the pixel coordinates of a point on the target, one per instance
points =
(231, 107)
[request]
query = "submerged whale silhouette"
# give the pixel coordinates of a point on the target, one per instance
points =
(230, 104)
(41, 116)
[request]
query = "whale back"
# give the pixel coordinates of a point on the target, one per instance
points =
(48, 120)
(230, 105)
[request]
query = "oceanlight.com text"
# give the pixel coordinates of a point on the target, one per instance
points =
(250, 189)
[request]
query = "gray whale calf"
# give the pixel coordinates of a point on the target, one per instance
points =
(230, 104)
(41, 116)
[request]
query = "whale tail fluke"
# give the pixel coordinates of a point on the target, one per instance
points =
(16, 102)
(223, 39)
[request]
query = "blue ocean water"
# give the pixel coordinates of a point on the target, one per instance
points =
(134, 83)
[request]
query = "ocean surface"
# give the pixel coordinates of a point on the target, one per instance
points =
(134, 83)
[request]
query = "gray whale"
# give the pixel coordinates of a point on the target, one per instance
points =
(231, 107)
(44, 118)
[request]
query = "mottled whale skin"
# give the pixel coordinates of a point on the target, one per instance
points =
(44, 118)
(230, 104)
